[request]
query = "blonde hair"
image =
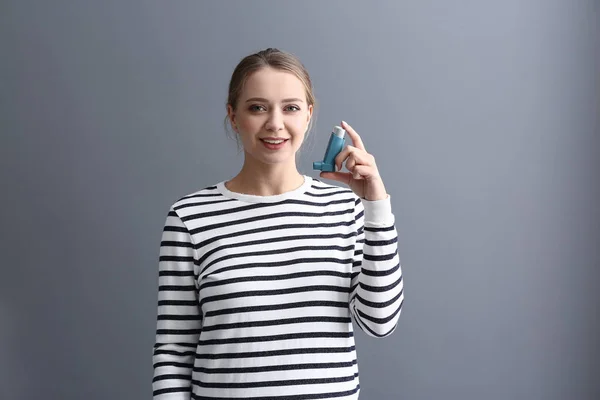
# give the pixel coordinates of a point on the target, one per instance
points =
(273, 58)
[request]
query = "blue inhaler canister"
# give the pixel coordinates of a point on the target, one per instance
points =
(334, 147)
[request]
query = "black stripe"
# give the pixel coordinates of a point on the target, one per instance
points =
(175, 273)
(272, 307)
(206, 203)
(189, 353)
(332, 193)
(358, 216)
(276, 322)
(271, 368)
(277, 251)
(381, 242)
(273, 338)
(386, 229)
(191, 303)
(178, 331)
(177, 288)
(291, 382)
(173, 243)
(268, 240)
(381, 273)
(266, 278)
(170, 390)
(261, 205)
(383, 257)
(312, 396)
(180, 229)
(201, 195)
(273, 292)
(380, 289)
(255, 206)
(381, 320)
(262, 218)
(269, 228)
(275, 353)
(279, 264)
(171, 376)
(372, 332)
(382, 304)
(325, 186)
(172, 364)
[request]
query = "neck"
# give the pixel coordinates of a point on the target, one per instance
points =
(265, 179)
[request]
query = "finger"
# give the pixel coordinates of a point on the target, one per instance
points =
(364, 172)
(350, 162)
(341, 157)
(358, 157)
(356, 140)
(343, 177)
(359, 171)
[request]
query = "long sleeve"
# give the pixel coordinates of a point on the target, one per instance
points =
(377, 294)
(179, 320)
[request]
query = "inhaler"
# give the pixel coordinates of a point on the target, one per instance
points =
(334, 147)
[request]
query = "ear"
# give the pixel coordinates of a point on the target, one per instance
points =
(310, 113)
(231, 116)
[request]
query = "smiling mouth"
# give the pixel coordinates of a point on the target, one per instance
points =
(274, 141)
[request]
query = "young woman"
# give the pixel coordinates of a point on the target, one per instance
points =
(261, 276)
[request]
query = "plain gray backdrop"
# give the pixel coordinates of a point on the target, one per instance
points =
(483, 119)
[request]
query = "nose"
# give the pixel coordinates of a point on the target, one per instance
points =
(275, 121)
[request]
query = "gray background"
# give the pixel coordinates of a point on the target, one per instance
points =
(483, 118)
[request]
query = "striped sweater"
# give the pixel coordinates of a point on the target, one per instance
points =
(257, 294)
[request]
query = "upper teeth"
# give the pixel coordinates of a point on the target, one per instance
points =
(273, 141)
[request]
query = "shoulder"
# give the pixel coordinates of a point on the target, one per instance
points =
(196, 199)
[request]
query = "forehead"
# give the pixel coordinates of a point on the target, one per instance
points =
(273, 84)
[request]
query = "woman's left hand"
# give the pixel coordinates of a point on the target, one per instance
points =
(363, 178)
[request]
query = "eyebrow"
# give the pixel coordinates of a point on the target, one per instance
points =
(266, 101)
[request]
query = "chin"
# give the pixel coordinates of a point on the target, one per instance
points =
(280, 158)
(276, 160)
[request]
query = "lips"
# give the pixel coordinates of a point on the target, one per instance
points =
(274, 139)
(274, 146)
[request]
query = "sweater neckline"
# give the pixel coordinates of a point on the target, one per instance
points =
(252, 198)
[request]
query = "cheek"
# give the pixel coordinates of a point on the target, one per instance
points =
(299, 123)
(247, 124)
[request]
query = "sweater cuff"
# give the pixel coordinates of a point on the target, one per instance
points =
(378, 213)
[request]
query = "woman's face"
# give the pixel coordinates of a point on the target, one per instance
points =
(272, 106)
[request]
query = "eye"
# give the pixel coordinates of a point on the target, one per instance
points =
(256, 108)
(292, 108)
